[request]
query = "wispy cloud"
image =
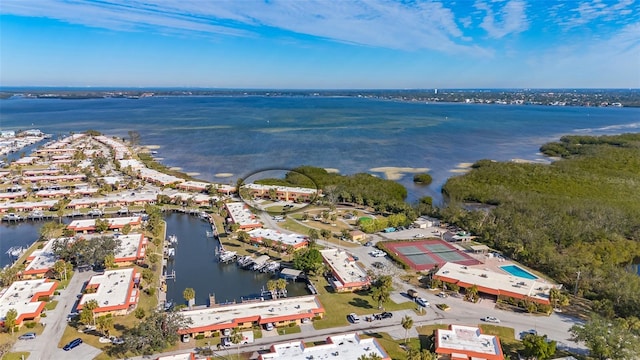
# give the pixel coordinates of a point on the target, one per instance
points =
(593, 10)
(380, 23)
(509, 18)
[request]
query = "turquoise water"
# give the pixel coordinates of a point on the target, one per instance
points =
(518, 271)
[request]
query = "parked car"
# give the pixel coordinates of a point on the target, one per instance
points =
(27, 336)
(269, 326)
(226, 332)
(443, 295)
(528, 332)
(377, 265)
(412, 293)
(386, 315)
(186, 338)
(353, 317)
(422, 302)
(72, 344)
(226, 341)
(368, 243)
(491, 319)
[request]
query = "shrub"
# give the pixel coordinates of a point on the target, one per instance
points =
(139, 313)
(199, 336)
(30, 325)
(43, 315)
(292, 324)
(56, 292)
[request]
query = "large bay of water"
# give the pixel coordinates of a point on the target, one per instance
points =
(241, 135)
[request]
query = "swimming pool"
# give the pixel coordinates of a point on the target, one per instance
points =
(519, 272)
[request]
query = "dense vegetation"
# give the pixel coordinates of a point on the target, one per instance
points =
(422, 179)
(361, 189)
(580, 215)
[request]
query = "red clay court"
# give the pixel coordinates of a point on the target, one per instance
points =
(426, 254)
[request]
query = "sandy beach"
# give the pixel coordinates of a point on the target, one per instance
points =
(332, 170)
(396, 173)
(223, 175)
(462, 168)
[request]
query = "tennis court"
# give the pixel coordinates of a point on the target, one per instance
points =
(425, 254)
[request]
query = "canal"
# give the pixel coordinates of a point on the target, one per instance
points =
(196, 267)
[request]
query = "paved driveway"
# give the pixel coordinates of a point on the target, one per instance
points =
(45, 347)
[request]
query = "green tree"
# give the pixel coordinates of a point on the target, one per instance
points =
(607, 339)
(104, 323)
(313, 237)
(101, 225)
(272, 287)
(370, 356)
(244, 236)
(236, 338)
(109, 261)
(60, 270)
(307, 260)
(538, 347)
(154, 333)
(326, 234)
(381, 290)
(281, 285)
(49, 230)
(189, 295)
(407, 324)
(86, 314)
(472, 293)
(10, 319)
(126, 229)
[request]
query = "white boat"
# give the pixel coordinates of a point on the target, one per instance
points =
(172, 239)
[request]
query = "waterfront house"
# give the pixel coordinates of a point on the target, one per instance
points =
(280, 312)
(347, 275)
(40, 262)
(27, 298)
(240, 214)
(115, 291)
(89, 225)
(295, 240)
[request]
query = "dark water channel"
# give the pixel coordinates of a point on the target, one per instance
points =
(196, 267)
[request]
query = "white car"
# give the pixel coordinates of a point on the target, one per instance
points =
(269, 326)
(353, 317)
(422, 302)
(491, 319)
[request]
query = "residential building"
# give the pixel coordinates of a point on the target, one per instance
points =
(467, 343)
(347, 274)
(340, 347)
(115, 291)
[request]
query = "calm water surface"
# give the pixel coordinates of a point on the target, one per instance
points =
(196, 267)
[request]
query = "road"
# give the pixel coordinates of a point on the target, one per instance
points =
(45, 347)
(556, 326)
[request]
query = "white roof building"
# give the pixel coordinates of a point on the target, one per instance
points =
(23, 297)
(115, 291)
(240, 214)
(41, 260)
(339, 347)
(261, 312)
(295, 240)
(348, 275)
(467, 342)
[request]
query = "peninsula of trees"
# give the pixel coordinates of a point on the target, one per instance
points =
(577, 219)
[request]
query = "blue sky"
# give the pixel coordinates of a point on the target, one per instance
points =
(321, 44)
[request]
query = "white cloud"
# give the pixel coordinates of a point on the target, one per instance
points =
(381, 23)
(510, 19)
(589, 11)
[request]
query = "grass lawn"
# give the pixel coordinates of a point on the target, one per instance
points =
(393, 347)
(502, 332)
(51, 305)
(289, 330)
(338, 305)
(16, 355)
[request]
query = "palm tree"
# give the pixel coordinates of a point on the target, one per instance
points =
(407, 324)
(236, 338)
(272, 286)
(281, 286)
(189, 294)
